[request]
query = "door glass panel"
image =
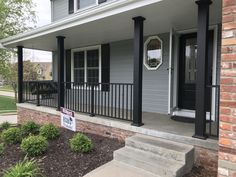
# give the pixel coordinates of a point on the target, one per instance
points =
(93, 66)
(190, 60)
(79, 67)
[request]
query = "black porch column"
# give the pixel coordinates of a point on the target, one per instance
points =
(20, 73)
(60, 57)
(201, 65)
(138, 70)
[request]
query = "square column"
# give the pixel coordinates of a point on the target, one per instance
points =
(60, 57)
(20, 73)
(138, 71)
(202, 54)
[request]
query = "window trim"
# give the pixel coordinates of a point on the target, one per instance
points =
(85, 49)
(145, 51)
(85, 8)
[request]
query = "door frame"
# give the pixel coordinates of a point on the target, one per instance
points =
(175, 91)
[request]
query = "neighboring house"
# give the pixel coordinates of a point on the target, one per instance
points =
(139, 61)
(44, 70)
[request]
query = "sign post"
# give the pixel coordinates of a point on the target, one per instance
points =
(68, 119)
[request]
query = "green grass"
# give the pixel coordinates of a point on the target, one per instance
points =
(7, 104)
(6, 88)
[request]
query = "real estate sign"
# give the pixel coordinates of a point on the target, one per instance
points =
(68, 119)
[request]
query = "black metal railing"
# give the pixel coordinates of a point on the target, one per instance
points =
(42, 93)
(113, 100)
(212, 123)
(105, 99)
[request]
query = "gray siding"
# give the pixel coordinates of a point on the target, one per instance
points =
(59, 9)
(155, 83)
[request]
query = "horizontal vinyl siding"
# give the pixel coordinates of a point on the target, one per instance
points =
(155, 83)
(60, 9)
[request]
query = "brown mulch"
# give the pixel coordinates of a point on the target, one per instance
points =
(59, 161)
(199, 171)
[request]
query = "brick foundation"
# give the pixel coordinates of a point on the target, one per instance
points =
(227, 142)
(25, 115)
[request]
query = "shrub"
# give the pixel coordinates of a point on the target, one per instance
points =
(24, 168)
(49, 131)
(80, 143)
(34, 145)
(30, 128)
(11, 135)
(5, 125)
(2, 148)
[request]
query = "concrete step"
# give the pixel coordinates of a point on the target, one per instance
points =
(164, 148)
(150, 162)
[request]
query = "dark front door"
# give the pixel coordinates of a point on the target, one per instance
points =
(187, 71)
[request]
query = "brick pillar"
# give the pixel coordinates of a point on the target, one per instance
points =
(227, 141)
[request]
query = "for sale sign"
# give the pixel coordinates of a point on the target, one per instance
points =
(68, 119)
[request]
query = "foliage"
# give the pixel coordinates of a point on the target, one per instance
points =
(24, 168)
(49, 131)
(5, 125)
(30, 128)
(16, 16)
(34, 145)
(11, 135)
(80, 143)
(2, 148)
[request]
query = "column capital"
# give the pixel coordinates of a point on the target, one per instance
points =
(139, 18)
(60, 37)
(203, 2)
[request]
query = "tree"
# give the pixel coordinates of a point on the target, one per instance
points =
(30, 74)
(16, 16)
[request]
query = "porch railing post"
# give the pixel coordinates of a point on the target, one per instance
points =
(60, 54)
(201, 63)
(38, 95)
(20, 73)
(92, 114)
(138, 70)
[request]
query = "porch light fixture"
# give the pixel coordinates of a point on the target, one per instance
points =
(153, 53)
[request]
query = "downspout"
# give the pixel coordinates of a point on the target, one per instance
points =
(170, 70)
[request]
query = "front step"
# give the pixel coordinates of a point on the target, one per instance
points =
(158, 156)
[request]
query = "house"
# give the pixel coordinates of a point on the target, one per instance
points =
(150, 65)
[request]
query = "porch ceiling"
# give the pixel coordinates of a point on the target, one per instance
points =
(160, 17)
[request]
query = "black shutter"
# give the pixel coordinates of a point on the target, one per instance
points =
(68, 68)
(71, 6)
(101, 1)
(105, 66)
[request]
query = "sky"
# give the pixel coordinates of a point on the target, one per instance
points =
(43, 13)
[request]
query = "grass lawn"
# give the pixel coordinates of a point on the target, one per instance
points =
(7, 104)
(7, 88)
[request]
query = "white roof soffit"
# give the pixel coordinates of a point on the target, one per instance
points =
(98, 12)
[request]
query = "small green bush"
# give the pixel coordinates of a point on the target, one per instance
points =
(49, 131)
(30, 128)
(80, 143)
(34, 145)
(11, 135)
(5, 125)
(24, 168)
(2, 148)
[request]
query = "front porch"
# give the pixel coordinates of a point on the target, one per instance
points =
(123, 88)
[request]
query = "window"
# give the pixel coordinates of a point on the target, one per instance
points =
(86, 65)
(153, 53)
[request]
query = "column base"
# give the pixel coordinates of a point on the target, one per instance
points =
(200, 137)
(137, 124)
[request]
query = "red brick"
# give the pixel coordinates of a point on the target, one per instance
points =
(225, 111)
(225, 126)
(227, 3)
(229, 57)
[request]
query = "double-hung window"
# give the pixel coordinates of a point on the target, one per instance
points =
(86, 65)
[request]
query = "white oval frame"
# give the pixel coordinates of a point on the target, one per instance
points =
(145, 49)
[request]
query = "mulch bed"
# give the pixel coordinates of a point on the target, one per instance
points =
(59, 161)
(199, 171)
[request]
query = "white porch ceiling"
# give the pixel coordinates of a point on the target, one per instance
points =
(160, 17)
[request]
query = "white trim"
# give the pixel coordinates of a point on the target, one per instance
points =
(85, 49)
(52, 10)
(96, 13)
(170, 70)
(145, 51)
